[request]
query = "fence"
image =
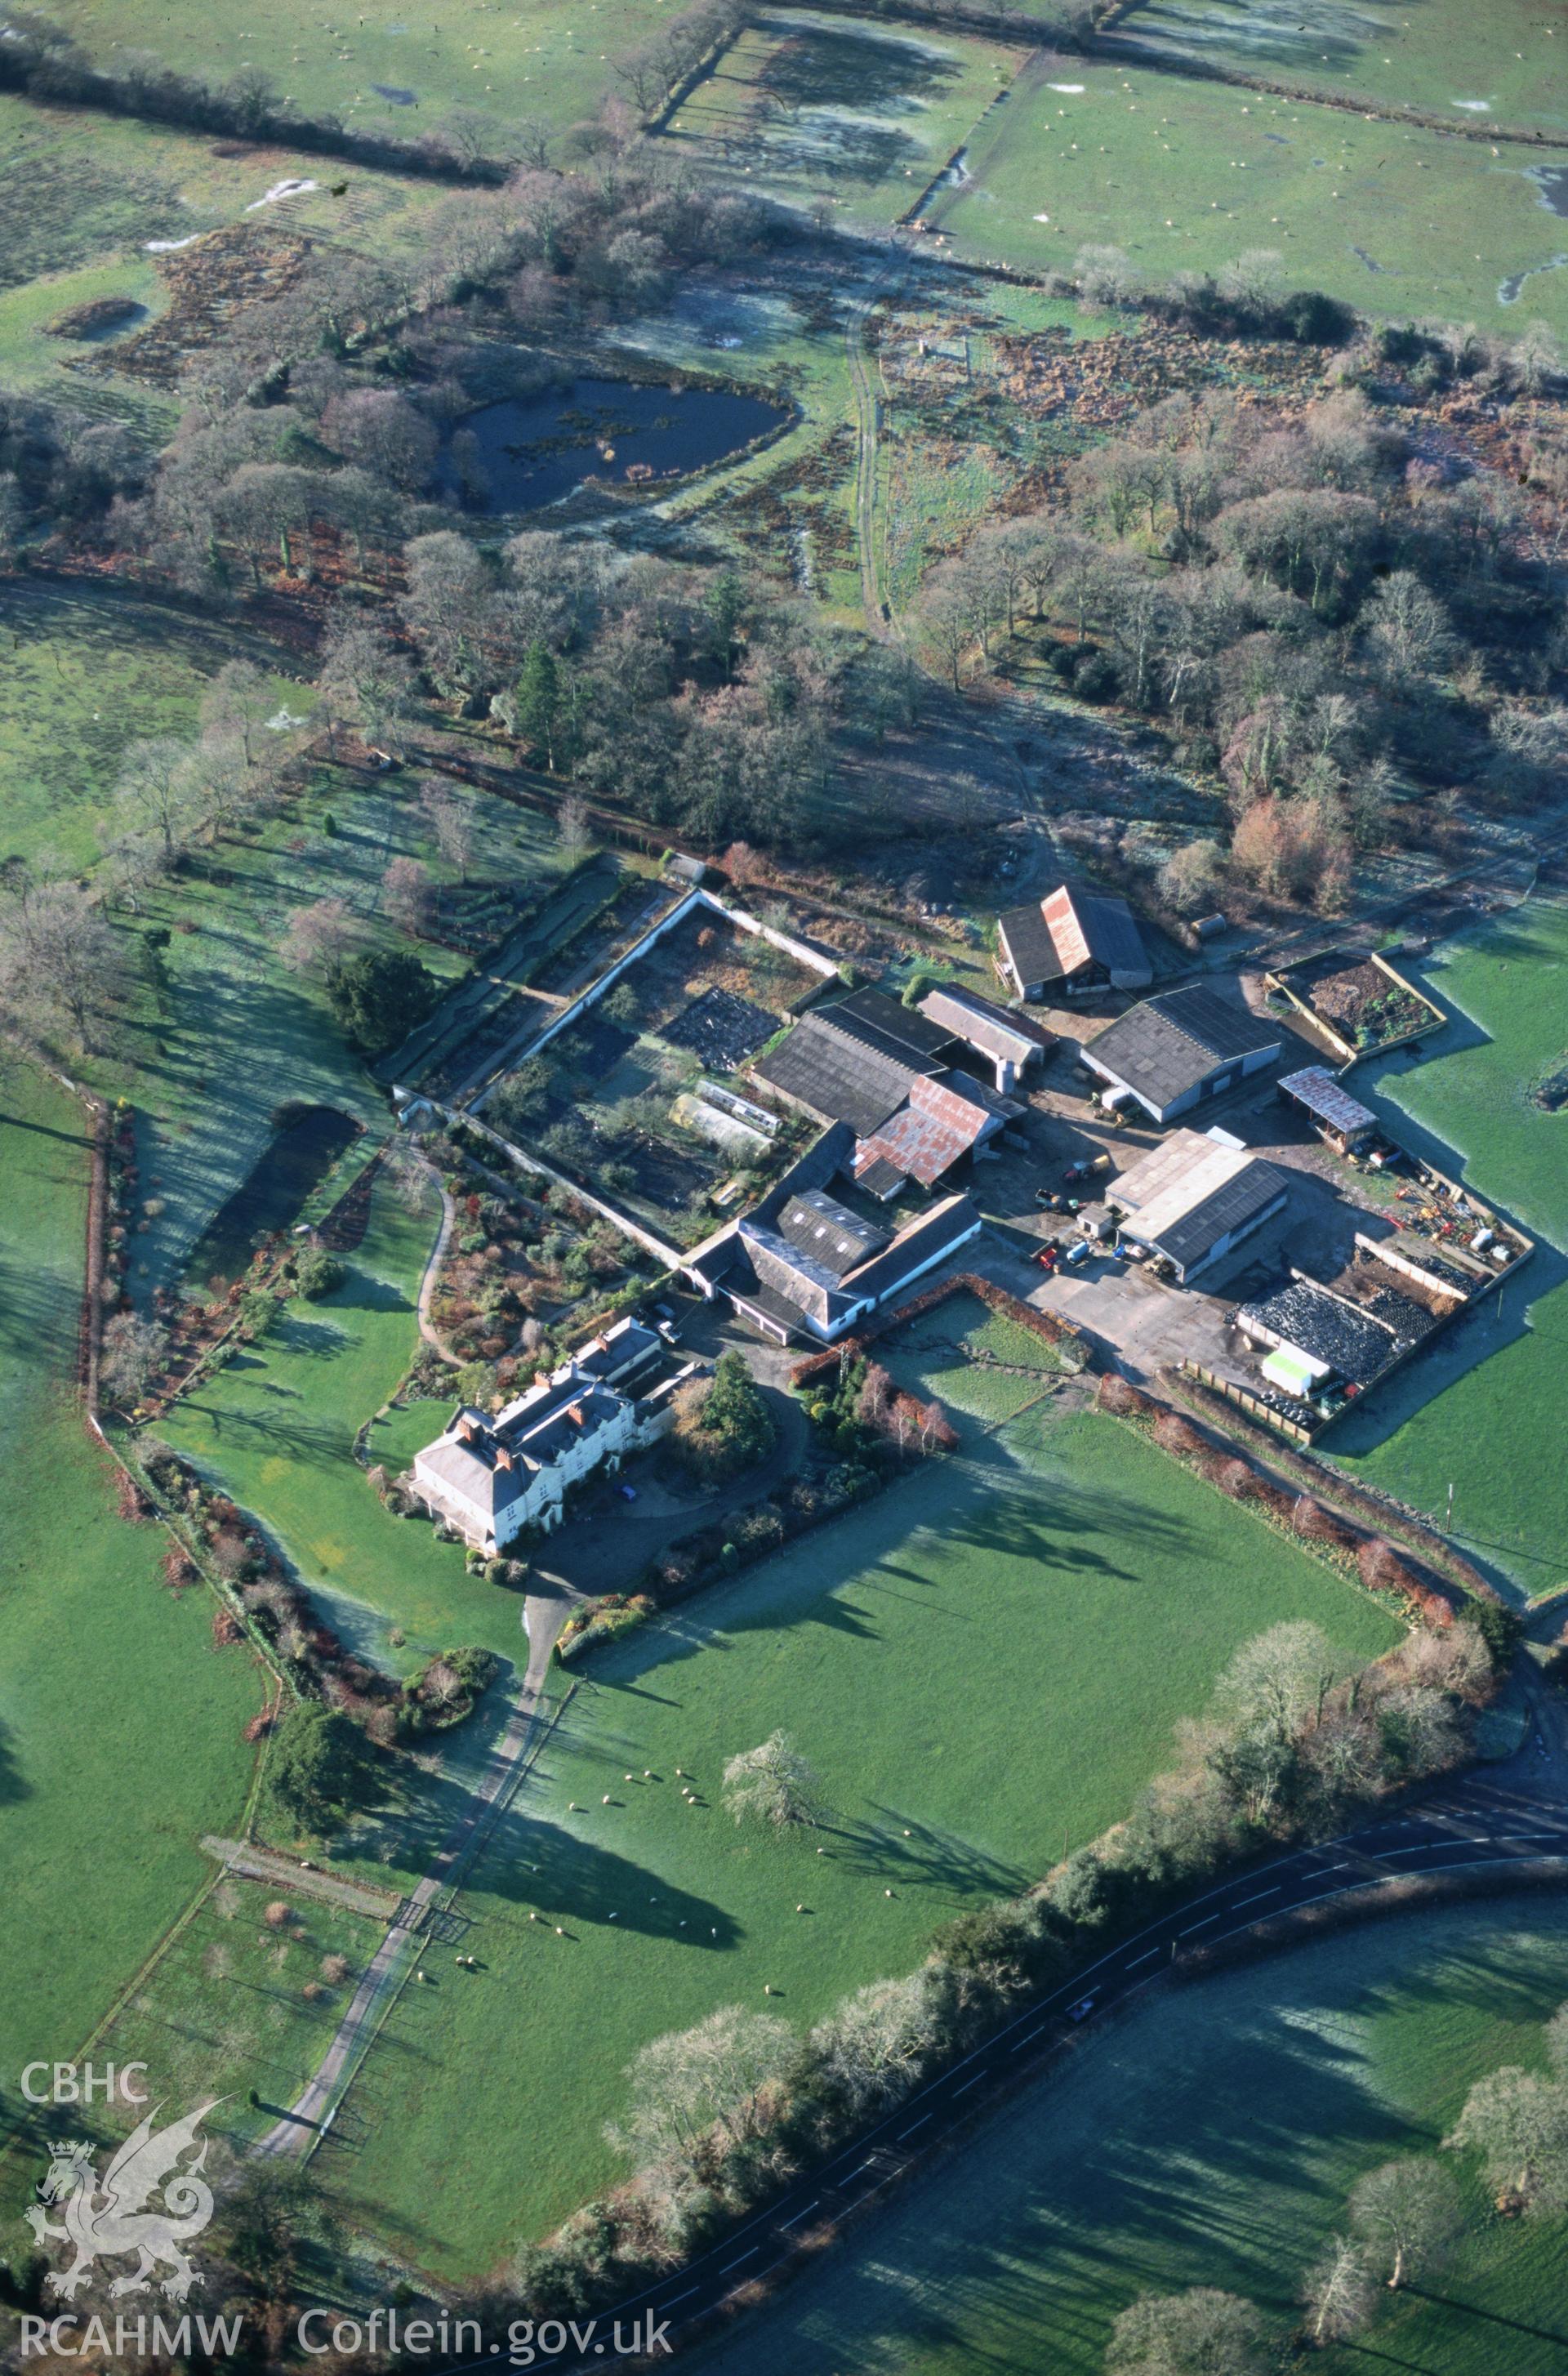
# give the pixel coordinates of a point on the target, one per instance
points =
(1247, 1401)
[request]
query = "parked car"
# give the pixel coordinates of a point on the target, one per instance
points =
(1084, 2007)
(628, 1493)
(1049, 1255)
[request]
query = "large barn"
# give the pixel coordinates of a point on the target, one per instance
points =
(1168, 1053)
(1070, 944)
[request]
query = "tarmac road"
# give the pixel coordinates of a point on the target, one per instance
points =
(1514, 1814)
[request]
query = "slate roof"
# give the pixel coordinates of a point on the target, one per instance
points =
(1026, 939)
(881, 1179)
(999, 1031)
(1166, 1046)
(936, 1233)
(881, 1022)
(835, 1075)
(829, 1231)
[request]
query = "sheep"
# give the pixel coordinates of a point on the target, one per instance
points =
(888, 1893)
(605, 1801)
(559, 1930)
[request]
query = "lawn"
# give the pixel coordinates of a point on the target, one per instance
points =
(1211, 2138)
(1502, 63)
(813, 106)
(982, 1665)
(276, 1430)
(1185, 176)
(105, 1676)
(86, 674)
(387, 70)
(1455, 1417)
(226, 2010)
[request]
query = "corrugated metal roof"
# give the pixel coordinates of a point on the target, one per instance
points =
(1316, 1087)
(1190, 1192)
(996, 1030)
(926, 1137)
(1096, 928)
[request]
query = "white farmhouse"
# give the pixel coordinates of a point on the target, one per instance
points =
(491, 1475)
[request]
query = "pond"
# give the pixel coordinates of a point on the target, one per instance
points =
(309, 1141)
(531, 450)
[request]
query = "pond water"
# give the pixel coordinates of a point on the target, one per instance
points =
(531, 450)
(272, 1193)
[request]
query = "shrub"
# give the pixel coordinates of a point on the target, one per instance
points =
(318, 1273)
(1127, 1401)
(1320, 1525)
(1174, 1433)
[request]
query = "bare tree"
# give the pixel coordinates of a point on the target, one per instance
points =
(314, 935)
(572, 829)
(871, 2047)
(1407, 2217)
(157, 788)
(1337, 2293)
(1517, 2123)
(405, 890)
(452, 822)
(1201, 2332)
(715, 2081)
(1279, 1679)
(134, 1350)
(59, 958)
(238, 702)
(773, 1784)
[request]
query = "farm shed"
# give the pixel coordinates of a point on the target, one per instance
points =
(1013, 1043)
(1337, 1117)
(1071, 942)
(873, 1065)
(1193, 1200)
(1171, 1051)
(843, 1270)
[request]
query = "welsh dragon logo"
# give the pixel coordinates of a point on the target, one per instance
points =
(105, 2222)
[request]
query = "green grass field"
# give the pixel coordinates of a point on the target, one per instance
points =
(105, 1677)
(85, 675)
(983, 1664)
(545, 58)
(810, 105)
(1187, 175)
(275, 1429)
(1210, 2138)
(1491, 1430)
(1501, 63)
(225, 2009)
